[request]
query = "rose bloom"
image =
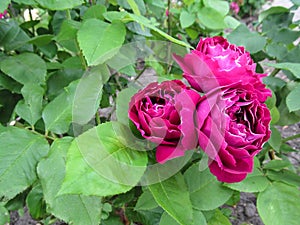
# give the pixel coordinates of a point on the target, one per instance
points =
(2, 15)
(233, 125)
(215, 63)
(234, 6)
(164, 114)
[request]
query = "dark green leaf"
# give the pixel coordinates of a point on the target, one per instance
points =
(26, 68)
(20, 152)
(242, 36)
(171, 194)
(275, 139)
(35, 202)
(9, 83)
(146, 201)
(199, 219)
(99, 48)
(51, 172)
(41, 40)
(277, 165)
(103, 161)
(272, 10)
(279, 204)
(202, 186)
(285, 176)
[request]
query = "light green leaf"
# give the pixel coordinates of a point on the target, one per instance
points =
(199, 219)
(101, 47)
(4, 215)
(4, 5)
(279, 204)
(242, 36)
(26, 68)
(88, 94)
(272, 10)
(20, 151)
(58, 4)
(203, 186)
(57, 115)
(221, 6)
(146, 201)
(254, 182)
(51, 172)
(134, 7)
(95, 11)
(277, 165)
(171, 195)
(103, 161)
(211, 18)
(186, 19)
(296, 2)
(294, 68)
(30, 109)
(292, 100)
(231, 22)
(275, 139)
(26, 2)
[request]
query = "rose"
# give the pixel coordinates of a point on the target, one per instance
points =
(164, 114)
(232, 126)
(215, 63)
(2, 15)
(234, 6)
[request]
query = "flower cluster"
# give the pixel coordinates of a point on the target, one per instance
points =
(229, 121)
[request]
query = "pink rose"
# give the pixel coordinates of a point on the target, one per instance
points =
(2, 15)
(232, 126)
(164, 114)
(216, 63)
(234, 6)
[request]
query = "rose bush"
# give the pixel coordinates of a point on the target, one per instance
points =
(164, 114)
(215, 63)
(232, 125)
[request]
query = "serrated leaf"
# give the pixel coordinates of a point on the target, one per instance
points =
(35, 202)
(30, 109)
(211, 18)
(275, 139)
(203, 186)
(285, 176)
(103, 161)
(26, 68)
(57, 115)
(58, 4)
(279, 204)
(101, 47)
(51, 172)
(199, 219)
(9, 83)
(186, 19)
(171, 194)
(95, 11)
(20, 151)
(242, 36)
(277, 165)
(146, 201)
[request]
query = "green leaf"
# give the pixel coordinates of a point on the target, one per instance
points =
(26, 68)
(59, 5)
(275, 115)
(4, 5)
(30, 109)
(218, 218)
(122, 107)
(220, 6)
(186, 19)
(20, 151)
(272, 10)
(9, 83)
(279, 204)
(35, 202)
(51, 172)
(254, 182)
(12, 37)
(275, 139)
(199, 219)
(88, 94)
(231, 22)
(242, 36)
(95, 11)
(211, 18)
(294, 68)
(277, 50)
(4, 215)
(146, 201)
(285, 176)
(296, 2)
(292, 100)
(203, 186)
(25, 2)
(41, 40)
(101, 47)
(171, 195)
(57, 115)
(103, 161)
(277, 165)
(134, 7)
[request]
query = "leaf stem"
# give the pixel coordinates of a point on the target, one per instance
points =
(291, 138)
(98, 121)
(274, 72)
(169, 17)
(68, 14)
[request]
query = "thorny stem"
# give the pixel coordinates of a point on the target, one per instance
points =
(291, 138)
(169, 17)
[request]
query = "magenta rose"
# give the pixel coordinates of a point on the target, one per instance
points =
(165, 114)
(215, 63)
(2, 15)
(232, 126)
